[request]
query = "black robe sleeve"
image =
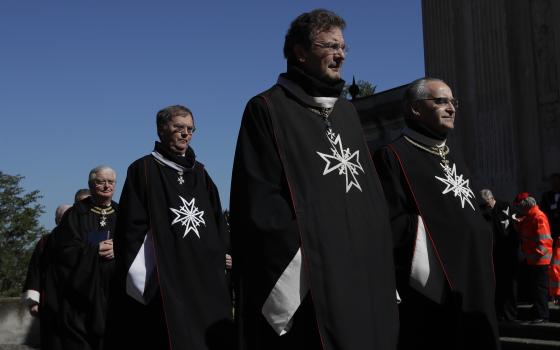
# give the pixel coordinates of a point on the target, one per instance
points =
(263, 224)
(35, 270)
(402, 211)
(133, 220)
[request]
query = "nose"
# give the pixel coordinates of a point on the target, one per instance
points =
(341, 52)
(339, 55)
(451, 108)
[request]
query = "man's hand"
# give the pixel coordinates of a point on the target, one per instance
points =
(34, 310)
(229, 262)
(517, 218)
(106, 249)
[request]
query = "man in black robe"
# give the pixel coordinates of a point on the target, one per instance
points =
(442, 246)
(310, 236)
(84, 263)
(35, 289)
(170, 287)
(506, 254)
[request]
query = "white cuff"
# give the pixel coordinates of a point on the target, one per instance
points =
(426, 275)
(139, 283)
(31, 297)
(286, 296)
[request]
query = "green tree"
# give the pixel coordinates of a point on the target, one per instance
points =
(19, 229)
(366, 89)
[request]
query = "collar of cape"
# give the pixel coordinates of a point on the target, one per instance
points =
(87, 204)
(107, 210)
(300, 94)
(167, 162)
(423, 139)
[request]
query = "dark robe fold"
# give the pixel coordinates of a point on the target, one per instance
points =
(53, 279)
(506, 258)
(84, 276)
(297, 185)
(34, 280)
(191, 308)
(38, 276)
(415, 186)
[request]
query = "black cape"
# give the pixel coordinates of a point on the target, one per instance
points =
(54, 276)
(461, 239)
(281, 201)
(40, 278)
(35, 269)
(551, 208)
(84, 276)
(193, 300)
(506, 239)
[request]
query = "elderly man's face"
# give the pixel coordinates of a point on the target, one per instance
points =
(177, 133)
(436, 113)
(323, 60)
(103, 186)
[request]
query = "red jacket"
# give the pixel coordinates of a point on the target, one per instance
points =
(536, 242)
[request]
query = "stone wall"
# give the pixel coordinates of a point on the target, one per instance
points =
(16, 325)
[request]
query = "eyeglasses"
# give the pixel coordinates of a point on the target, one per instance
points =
(440, 101)
(189, 130)
(333, 47)
(103, 182)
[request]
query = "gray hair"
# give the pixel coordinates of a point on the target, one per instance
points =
(60, 210)
(165, 115)
(527, 203)
(486, 194)
(417, 90)
(93, 172)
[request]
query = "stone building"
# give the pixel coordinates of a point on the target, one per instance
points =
(502, 60)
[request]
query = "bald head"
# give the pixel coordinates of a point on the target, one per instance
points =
(60, 210)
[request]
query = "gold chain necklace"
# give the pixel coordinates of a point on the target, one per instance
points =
(103, 212)
(441, 151)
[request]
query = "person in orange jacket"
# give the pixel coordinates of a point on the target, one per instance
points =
(536, 246)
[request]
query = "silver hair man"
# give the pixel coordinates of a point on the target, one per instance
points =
(486, 194)
(93, 172)
(417, 90)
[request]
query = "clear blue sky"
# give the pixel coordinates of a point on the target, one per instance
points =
(81, 81)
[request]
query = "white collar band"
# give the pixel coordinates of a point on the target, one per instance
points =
(168, 162)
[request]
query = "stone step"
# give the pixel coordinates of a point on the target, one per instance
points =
(528, 344)
(524, 312)
(544, 331)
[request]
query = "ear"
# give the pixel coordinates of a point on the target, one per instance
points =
(414, 110)
(301, 53)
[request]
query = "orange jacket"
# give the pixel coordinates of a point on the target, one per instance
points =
(536, 242)
(554, 271)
